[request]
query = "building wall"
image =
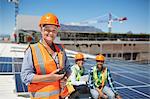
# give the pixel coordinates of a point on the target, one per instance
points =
(127, 51)
(94, 49)
(141, 47)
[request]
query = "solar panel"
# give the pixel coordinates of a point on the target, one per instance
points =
(117, 84)
(17, 59)
(20, 87)
(130, 94)
(10, 65)
(141, 78)
(145, 75)
(145, 89)
(17, 64)
(17, 67)
(5, 68)
(6, 65)
(126, 81)
(5, 59)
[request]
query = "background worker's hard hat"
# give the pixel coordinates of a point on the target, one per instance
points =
(79, 56)
(49, 18)
(100, 57)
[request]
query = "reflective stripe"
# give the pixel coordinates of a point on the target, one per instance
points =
(44, 94)
(40, 59)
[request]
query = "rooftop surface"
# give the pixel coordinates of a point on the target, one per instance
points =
(131, 79)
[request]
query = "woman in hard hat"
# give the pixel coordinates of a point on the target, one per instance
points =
(43, 62)
(98, 77)
(78, 78)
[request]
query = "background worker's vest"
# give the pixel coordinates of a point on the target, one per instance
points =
(78, 73)
(99, 80)
(44, 64)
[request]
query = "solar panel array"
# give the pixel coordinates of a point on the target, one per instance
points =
(131, 79)
(20, 87)
(5, 68)
(13, 66)
(5, 65)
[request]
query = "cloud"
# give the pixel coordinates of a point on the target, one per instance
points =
(74, 23)
(82, 23)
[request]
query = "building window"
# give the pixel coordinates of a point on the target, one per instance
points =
(119, 54)
(114, 55)
(108, 55)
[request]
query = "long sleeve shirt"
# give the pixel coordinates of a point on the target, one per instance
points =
(28, 70)
(109, 80)
(73, 76)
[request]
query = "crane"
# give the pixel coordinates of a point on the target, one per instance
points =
(16, 2)
(112, 20)
(100, 19)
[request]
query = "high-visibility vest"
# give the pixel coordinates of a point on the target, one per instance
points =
(99, 80)
(78, 73)
(45, 64)
(69, 85)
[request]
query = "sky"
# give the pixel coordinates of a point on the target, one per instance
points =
(76, 11)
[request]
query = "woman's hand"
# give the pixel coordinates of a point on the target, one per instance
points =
(54, 76)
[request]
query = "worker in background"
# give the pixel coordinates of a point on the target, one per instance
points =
(98, 77)
(15, 37)
(78, 78)
(44, 61)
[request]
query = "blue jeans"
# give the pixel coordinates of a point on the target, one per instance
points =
(106, 90)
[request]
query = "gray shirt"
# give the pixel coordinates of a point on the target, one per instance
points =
(28, 70)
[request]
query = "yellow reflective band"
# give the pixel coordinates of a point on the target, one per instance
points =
(40, 59)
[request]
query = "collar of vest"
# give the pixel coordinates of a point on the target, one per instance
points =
(102, 69)
(55, 45)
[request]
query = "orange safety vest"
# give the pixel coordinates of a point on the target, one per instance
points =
(45, 64)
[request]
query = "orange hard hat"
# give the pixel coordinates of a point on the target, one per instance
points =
(49, 18)
(79, 56)
(100, 57)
